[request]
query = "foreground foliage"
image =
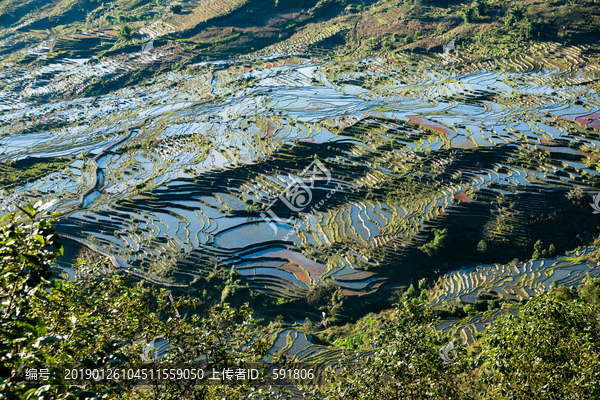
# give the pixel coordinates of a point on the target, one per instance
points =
(550, 348)
(405, 364)
(100, 322)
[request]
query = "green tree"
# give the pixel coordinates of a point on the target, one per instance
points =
(482, 246)
(125, 32)
(468, 14)
(469, 309)
(28, 249)
(319, 296)
(539, 251)
(406, 363)
(308, 326)
(550, 350)
(411, 292)
(514, 15)
(565, 294)
(590, 292)
(176, 8)
(103, 321)
(337, 307)
(235, 291)
(481, 7)
(532, 29)
(437, 244)
(123, 18)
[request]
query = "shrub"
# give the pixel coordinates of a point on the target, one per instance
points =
(565, 294)
(411, 292)
(407, 354)
(549, 350)
(539, 250)
(514, 15)
(254, 208)
(125, 32)
(319, 295)
(337, 306)
(481, 7)
(437, 244)
(590, 292)
(103, 321)
(482, 246)
(468, 14)
(533, 29)
(308, 326)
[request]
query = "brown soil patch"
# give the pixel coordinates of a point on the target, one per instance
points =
(462, 197)
(297, 271)
(419, 120)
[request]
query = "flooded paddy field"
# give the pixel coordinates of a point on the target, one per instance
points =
(305, 171)
(173, 175)
(327, 164)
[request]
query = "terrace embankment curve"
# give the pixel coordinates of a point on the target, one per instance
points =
(408, 149)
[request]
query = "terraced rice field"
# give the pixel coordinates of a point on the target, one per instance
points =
(513, 282)
(465, 330)
(170, 176)
(294, 347)
(509, 282)
(203, 11)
